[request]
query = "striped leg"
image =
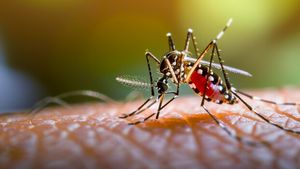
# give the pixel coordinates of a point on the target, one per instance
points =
(209, 46)
(266, 101)
(262, 117)
(160, 98)
(160, 107)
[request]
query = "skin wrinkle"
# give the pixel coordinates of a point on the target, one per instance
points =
(279, 153)
(169, 141)
(163, 160)
(289, 116)
(133, 143)
(256, 119)
(220, 137)
(105, 154)
(297, 157)
(198, 142)
(261, 121)
(53, 144)
(226, 154)
(40, 151)
(120, 136)
(238, 130)
(149, 152)
(170, 122)
(110, 133)
(256, 137)
(168, 138)
(254, 129)
(236, 160)
(214, 135)
(87, 150)
(296, 136)
(166, 125)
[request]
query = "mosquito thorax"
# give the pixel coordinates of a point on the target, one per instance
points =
(176, 59)
(173, 57)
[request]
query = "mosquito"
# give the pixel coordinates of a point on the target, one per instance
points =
(179, 67)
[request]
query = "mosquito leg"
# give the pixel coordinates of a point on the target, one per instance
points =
(176, 94)
(148, 54)
(262, 117)
(211, 44)
(209, 70)
(188, 38)
(171, 42)
(159, 106)
(139, 109)
(264, 100)
(195, 45)
(160, 98)
(197, 62)
(177, 88)
(228, 85)
(141, 121)
(172, 71)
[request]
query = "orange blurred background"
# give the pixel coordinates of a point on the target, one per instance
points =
(50, 47)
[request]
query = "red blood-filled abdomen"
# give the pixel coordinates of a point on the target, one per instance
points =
(197, 82)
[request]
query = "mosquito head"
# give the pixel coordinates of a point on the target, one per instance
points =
(162, 85)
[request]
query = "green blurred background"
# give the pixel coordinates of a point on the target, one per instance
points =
(64, 45)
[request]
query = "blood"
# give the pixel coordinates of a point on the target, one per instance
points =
(200, 81)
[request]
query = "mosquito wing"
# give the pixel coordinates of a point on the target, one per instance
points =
(218, 66)
(134, 82)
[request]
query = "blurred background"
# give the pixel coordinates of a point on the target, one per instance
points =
(53, 46)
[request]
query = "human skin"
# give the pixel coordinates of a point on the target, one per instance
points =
(92, 136)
